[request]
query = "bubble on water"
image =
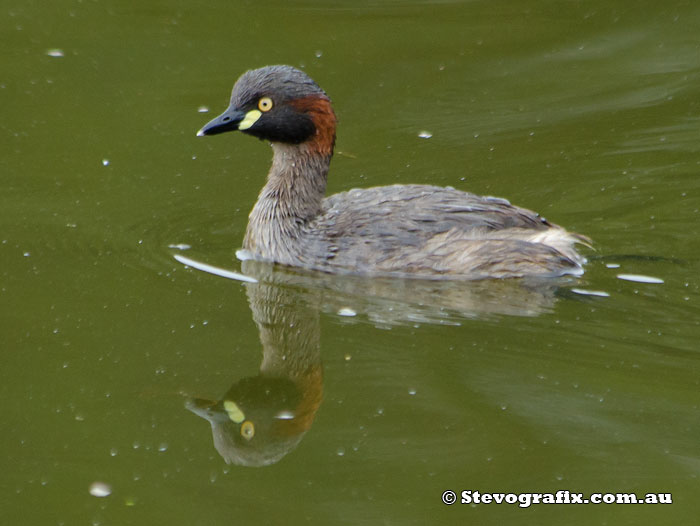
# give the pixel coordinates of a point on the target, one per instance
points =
(100, 489)
(285, 415)
(346, 311)
(203, 109)
(105, 162)
(423, 134)
(55, 52)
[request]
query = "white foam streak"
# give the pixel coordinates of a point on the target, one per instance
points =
(217, 271)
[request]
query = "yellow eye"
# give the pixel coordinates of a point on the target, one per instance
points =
(265, 104)
(247, 430)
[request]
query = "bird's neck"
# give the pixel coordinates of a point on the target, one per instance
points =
(290, 199)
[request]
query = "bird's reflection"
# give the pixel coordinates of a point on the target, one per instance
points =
(262, 418)
(393, 301)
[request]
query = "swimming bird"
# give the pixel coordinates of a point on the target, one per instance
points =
(409, 230)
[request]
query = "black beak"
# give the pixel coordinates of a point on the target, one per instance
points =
(227, 121)
(207, 409)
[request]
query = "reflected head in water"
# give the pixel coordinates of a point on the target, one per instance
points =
(262, 418)
(258, 421)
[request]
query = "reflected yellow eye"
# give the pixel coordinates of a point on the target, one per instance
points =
(265, 104)
(247, 430)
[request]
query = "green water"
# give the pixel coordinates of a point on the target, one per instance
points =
(585, 111)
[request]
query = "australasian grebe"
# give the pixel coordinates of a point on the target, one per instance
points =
(408, 230)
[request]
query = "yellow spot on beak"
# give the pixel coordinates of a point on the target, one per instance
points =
(234, 413)
(250, 118)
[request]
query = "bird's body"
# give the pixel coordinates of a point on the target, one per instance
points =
(408, 230)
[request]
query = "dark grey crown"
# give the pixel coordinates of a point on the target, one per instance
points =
(282, 82)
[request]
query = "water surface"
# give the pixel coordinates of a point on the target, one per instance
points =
(585, 111)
